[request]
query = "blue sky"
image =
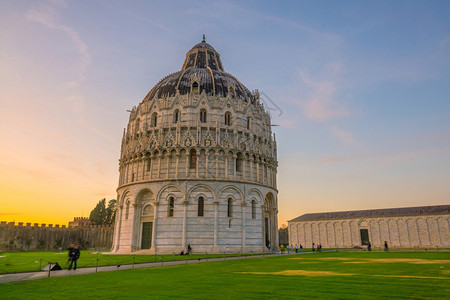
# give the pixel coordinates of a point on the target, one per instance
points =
(360, 89)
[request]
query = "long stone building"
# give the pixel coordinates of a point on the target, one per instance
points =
(198, 165)
(410, 227)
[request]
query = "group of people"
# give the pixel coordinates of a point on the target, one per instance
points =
(74, 254)
(296, 248)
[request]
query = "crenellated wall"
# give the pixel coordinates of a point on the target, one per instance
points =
(48, 237)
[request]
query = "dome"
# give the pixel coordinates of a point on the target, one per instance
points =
(203, 68)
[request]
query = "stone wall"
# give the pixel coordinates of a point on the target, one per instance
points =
(427, 231)
(45, 238)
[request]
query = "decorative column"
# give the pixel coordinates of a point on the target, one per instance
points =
(187, 164)
(243, 204)
(226, 165)
(216, 213)
(206, 164)
(155, 223)
(257, 171)
(177, 164)
(197, 159)
(183, 239)
(217, 165)
(118, 228)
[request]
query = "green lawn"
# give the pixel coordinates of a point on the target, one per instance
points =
(362, 275)
(12, 262)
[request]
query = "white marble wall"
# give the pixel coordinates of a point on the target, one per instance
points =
(209, 233)
(400, 232)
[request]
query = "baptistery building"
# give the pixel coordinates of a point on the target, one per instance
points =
(198, 165)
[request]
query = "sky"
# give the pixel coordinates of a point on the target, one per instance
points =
(360, 91)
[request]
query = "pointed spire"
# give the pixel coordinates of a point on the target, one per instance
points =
(204, 39)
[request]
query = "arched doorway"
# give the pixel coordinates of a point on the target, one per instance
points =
(269, 222)
(145, 216)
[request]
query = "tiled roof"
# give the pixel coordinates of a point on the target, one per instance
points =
(376, 213)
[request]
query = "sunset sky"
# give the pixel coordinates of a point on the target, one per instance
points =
(360, 89)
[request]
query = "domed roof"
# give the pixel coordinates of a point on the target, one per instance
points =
(203, 68)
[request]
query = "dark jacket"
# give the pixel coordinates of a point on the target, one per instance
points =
(75, 253)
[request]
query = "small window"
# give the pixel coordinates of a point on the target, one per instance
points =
(201, 204)
(195, 89)
(239, 162)
(127, 210)
(253, 209)
(230, 207)
(171, 207)
(228, 118)
(176, 116)
(149, 164)
(248, 123)
(193, 159)
(154, 119)
(203, 115)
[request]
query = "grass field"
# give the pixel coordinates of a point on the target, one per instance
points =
(13, 262)
(341, 275)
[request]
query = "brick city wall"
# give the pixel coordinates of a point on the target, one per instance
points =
(46, 237)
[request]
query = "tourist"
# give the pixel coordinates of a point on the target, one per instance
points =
(296, 248)
(268, 245)
(369, 247)
(319, 249)
(301, 248)
(70, 249)
(75, 255)
(385, 246)
(313, 247)
(189, 249)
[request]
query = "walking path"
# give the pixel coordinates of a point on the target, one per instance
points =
(13, 277)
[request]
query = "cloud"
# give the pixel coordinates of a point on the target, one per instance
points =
(343, 136)
(47, 16)
(321, 102)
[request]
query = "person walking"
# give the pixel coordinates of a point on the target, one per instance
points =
(301, 248)
(75, 255)
(313, 247)
(369, 247)
(385, 246)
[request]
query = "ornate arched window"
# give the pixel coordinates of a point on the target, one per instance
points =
(149, 164)
(203, 115)
(171, 207)
(176, 116)
(253, 209)
(154, 119)
(239, 162)
(195, 89)
(193, 159)
(230, 208)
(201, 206)
(137, 126)
(228, 118)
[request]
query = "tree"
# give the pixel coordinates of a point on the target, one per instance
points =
(102, 214)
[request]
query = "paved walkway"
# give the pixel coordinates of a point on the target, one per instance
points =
(13, 277)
